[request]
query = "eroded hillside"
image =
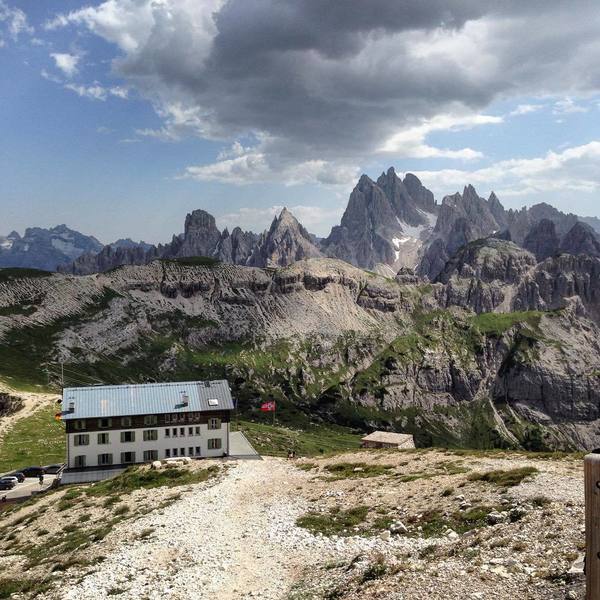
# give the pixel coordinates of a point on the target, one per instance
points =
(335, 343)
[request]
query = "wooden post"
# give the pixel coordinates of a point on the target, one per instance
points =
(591, 467)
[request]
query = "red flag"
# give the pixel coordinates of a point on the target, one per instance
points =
(268, 406)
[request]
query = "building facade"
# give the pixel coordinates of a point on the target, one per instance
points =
(128, 424)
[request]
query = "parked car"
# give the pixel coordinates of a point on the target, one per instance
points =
(7, 483)
(33, 471)
(20, 477)
(54, 469)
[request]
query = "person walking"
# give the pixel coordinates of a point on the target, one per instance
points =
(41, 479)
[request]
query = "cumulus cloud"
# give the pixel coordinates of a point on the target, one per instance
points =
(13, 22)
(327, 86)
(66, 62)
(574, 169)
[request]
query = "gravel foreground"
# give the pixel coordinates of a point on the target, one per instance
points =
(236, 537)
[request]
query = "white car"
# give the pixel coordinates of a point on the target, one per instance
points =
(11, 477)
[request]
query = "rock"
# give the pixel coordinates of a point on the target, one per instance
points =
(465, 505)
(452, 535)
(494, 518)
(398, 528)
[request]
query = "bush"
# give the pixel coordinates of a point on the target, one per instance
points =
(335, 522)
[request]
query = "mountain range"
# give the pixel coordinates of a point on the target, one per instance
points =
(388, 225)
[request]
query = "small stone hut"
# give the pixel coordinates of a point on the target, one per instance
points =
(387, 439)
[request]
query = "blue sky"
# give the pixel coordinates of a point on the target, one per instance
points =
(120, 117)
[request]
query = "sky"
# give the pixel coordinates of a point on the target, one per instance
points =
(119, 117)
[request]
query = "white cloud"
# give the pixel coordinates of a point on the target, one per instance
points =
(13, 22)
(567, 106)
(66, 62)
(574, 169)
(411, 141)
(96, 91)
(254, 165)
(525, 109)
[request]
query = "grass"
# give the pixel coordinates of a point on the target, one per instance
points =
(318, 440)
(9, 586)
(356, 470)
(135, 478)
(508, 478)
(34, 440)
(12, 273)
(495, 324)
(335, 522)
(435, 524)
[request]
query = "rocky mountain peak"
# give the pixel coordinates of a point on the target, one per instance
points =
(542, 240)
(286, 242)
(200, 236)
(581, 239)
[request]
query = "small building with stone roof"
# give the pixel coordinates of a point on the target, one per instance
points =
(388, 439)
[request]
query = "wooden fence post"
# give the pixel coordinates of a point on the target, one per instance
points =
(591, 467)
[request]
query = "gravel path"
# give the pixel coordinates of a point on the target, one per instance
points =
(221, 541)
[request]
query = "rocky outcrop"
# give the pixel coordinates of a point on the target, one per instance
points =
(283, 244)
(235, 247)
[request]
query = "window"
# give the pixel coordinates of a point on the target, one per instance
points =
(213, 402)
(198, 451)
(126, 421)
(150, 420)
(214, 444)
(182, 431)
(181, 451)
(190, 451)
(190, 431)
(104, 459)
(79, 425)
(167, 432)
(167, 453)
(197, 430)
(79, 462)
(127, 436)
(174, 431)
(182, 418)
(104, 423)
(214, 423)
(174, 451)
(127, 458)
(150, 455)
(82, 439)
(150, 435)
(167, 418)
(103, 438)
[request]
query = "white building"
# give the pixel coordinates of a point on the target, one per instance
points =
(126, 424)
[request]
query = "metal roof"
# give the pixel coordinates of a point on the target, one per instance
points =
(146, 399)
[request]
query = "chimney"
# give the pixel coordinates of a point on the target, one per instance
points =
(72, 406)
(185, 399)
(207, 384)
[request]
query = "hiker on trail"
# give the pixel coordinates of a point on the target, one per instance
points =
(41, 478)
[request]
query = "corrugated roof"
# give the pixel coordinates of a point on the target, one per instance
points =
(388, 437)
(146, 399)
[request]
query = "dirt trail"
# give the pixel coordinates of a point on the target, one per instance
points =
(32, 401)
(235, 539)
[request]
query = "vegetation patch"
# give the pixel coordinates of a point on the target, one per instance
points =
(351, 470)
(12, 273)
(501, 478)
(335, 521)
(433, 523)
(34, 440)
(135, 478)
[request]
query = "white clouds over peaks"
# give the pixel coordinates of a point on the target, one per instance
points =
(96, 91)
(572, 170)
(327, 89)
